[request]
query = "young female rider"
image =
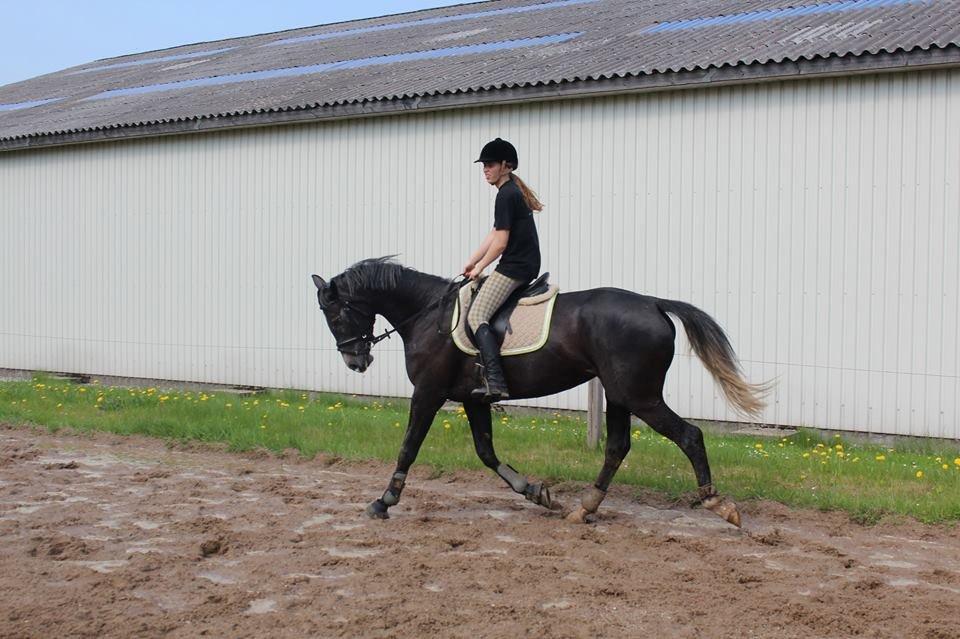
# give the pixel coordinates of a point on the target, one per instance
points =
(514, 240)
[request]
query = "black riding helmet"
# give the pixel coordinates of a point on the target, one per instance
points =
(499, 151)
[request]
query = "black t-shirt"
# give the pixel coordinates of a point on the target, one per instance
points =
(521, 258)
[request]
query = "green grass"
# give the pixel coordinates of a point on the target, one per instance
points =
(866, 481)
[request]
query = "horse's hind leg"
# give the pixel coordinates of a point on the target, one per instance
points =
(690, 440)
(480, 425)
(618, 445)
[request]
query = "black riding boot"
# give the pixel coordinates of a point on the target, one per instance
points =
(495, 386)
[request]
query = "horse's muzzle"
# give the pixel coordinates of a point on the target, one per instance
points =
(358, 363)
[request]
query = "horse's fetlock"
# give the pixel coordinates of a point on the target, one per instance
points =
(510, 475)
(592, 498)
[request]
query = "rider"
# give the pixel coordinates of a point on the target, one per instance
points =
(514, 240)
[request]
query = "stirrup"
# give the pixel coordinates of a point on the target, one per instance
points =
(484, 394)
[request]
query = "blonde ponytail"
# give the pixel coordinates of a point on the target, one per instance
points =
(528, 194)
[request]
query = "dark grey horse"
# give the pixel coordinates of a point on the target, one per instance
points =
(623, 338)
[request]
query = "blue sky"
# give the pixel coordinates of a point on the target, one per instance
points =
(42, 36)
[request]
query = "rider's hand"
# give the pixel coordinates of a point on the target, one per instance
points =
(468, 267)
(474, 272)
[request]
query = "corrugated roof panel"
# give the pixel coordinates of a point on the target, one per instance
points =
(410, 55)
(168, 58)
(428, 21)
(26, 105)
(343, 65)
(775, 14)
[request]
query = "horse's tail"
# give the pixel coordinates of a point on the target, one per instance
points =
(713, 348)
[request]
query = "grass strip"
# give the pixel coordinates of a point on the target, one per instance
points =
(806, 470)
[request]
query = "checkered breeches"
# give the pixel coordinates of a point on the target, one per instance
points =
(494, 292)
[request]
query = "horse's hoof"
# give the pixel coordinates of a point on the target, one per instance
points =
(377, 510)
(540, 495)
(723, 508)
(578, 516)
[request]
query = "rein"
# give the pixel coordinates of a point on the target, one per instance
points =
(367, 341)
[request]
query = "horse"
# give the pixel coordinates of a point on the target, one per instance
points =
(623, 338)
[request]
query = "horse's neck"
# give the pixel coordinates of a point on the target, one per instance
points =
(415, 292)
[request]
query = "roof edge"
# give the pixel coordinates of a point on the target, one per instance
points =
(832, 66)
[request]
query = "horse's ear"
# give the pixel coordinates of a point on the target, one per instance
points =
(318, 281)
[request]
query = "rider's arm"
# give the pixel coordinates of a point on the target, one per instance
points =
(498, 242)
(480, 252)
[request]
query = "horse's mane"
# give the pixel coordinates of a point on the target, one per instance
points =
(374, 274)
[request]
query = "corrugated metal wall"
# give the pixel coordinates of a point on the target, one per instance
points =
(816, 220)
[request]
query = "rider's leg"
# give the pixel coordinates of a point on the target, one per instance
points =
(494, 292)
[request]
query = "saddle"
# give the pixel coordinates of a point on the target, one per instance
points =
(521, 324)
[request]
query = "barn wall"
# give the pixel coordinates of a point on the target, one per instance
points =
(816, 220)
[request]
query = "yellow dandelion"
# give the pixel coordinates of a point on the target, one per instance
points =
(396, 424)
(956, 462)
(946, 467)
(758, 446)
(301, 408)
(919, 474)
(880, 457)
(446, 425)
(81, 390)
(805, 455)
(225, 405)
(61, 406)
(839, 447)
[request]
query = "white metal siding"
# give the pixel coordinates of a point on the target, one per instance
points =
(816, 220)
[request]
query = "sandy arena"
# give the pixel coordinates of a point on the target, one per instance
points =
(106, 536)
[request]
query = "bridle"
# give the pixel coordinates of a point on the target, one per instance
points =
(366, 341)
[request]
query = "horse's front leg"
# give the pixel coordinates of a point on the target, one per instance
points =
(423, 408)
(480, 425)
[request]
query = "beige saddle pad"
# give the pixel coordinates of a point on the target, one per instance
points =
(529, 323)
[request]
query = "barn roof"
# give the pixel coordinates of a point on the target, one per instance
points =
(487, 52)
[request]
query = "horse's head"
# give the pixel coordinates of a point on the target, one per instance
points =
(350, 322)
